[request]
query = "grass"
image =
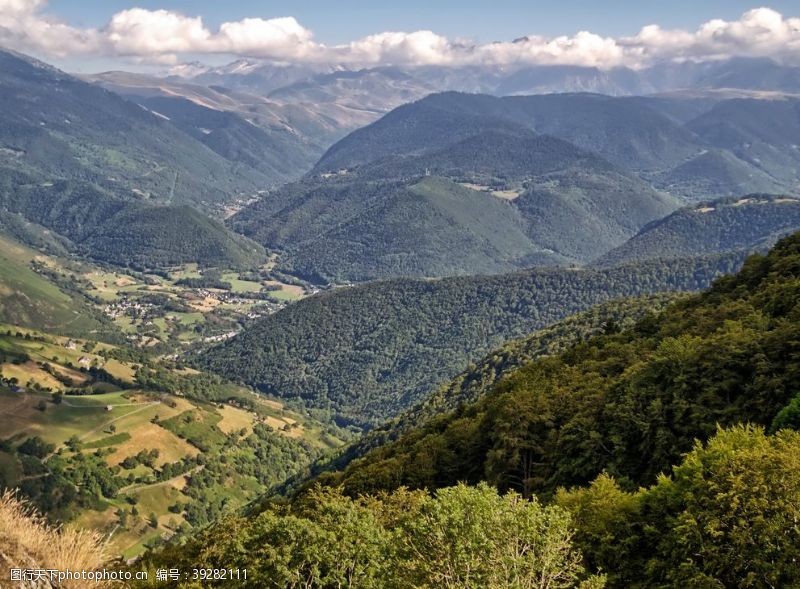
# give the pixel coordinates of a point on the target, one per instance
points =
(108, 441)
(149, 436)
(28, 542)
(30, 372)
(235, 419)
(30, 299)
(156, 499)
(186, 271)
(241, 285)
(285, 295)
(57, 423)
(198, 427)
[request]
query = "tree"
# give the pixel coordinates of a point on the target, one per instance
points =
(35, 446)
(465, 537)
(607, 524)
(153, 520)
(727, 517)
(732, 509)
(474, 537)
(788, 417)
(58, 396)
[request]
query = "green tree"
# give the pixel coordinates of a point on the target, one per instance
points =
(732, 509)
(474, 537)
(727, 517)
(788, 417)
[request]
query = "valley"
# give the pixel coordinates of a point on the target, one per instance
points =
(404, 311)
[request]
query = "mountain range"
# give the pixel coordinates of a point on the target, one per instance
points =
(97, 175)
(264, 78)
(470, 293)
(463, 183)
(499, 199)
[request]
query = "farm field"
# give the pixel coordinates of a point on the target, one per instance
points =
(176, 435)
(187, 305)
(147, 463)
(93, 447)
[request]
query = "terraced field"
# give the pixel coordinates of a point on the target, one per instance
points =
(171, 458)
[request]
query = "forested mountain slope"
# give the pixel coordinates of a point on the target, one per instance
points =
(721, 151)
(627, 403)
(479, 379)
(760, 132)
(278, 153)
(157, 237)
(496, 201)
(753, 222)
(62, 128)
(626, 132)
(368, 352)
(96, 222)
(609, 414)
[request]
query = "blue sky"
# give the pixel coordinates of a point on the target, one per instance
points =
(338, 21)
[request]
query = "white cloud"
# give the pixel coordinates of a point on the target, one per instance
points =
(277, 38)
(164, 36)
(140, 32)
(758, 33)
(24, 27)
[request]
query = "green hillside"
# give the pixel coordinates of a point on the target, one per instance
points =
(127, 232)
(149, 237)
(753, 222)
(63, 128)
(627, 403)
(32, 296)
(479, 379)
(634, 455)
(494, 202)
(430, 227)
(368, 352)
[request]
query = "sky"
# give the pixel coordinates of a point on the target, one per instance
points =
(86, 35)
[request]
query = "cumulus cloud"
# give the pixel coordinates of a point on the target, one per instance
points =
(165, 36)
(761, 32)
(23, 26)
